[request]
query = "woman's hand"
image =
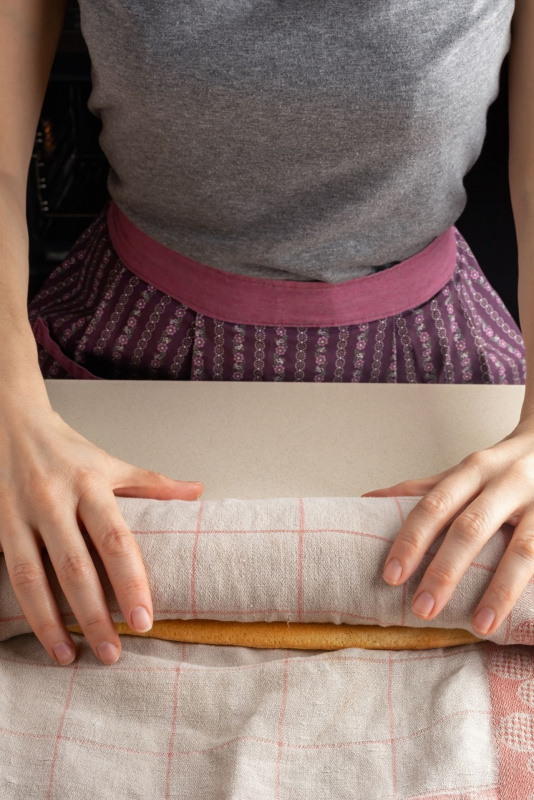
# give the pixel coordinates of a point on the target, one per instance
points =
(486, 489)
(51, 480)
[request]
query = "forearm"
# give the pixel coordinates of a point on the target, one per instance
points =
(29, 33)
(19, 369)
(525, 238)
(521, 174)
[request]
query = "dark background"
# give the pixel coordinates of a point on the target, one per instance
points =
(68, 174)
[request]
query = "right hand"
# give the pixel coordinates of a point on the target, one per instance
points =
(51, 479)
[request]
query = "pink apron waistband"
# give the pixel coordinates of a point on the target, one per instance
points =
(260, 301)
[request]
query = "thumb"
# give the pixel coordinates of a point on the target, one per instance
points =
(128, 480)
(415, 487)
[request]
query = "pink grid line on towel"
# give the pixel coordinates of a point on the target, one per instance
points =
(170, 720)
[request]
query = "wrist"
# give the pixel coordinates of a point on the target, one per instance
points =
(21, 380)
(526, 417)
(22, 393)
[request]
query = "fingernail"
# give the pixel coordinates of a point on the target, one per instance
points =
(424, 604)
(108, 652)
(483, 619)
(393, 570)
(63, 653)
(141, 621)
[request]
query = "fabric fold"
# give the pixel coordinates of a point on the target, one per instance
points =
(310, 559)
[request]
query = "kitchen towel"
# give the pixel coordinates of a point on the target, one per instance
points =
(313, 559)
(209, 721)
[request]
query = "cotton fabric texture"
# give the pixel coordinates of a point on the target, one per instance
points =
(176, 720)
(299, 140)
(123, 306)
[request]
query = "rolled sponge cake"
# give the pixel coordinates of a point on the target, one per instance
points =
(299, 636)
(290, 572)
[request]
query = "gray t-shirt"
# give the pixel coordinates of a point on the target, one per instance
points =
(294, 139)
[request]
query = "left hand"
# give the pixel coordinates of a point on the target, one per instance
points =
(486, 489)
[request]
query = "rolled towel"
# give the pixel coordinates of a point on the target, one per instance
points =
(313, 565)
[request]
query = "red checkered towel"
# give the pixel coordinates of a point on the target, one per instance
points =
(208, 721)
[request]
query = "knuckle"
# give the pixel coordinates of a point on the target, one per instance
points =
(25, 575)
(45, 629)
(133, 586)
(441, 573)
(478, 460)
(75, 568)
(413, 543)
(34, 473)
(115, 540)
(54, 516)
(470, 526)
(436, 503)
(151, 475)
(522, 469)
(8, 506)
(95, 622)
(88, 483)
(523, 546)
(5, 489)
(504, 593)
(43, 498)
